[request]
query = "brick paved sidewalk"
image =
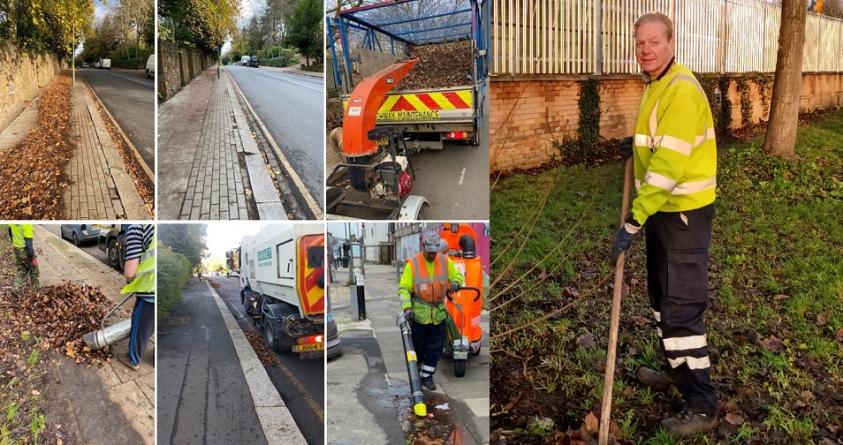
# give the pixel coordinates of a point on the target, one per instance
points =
(100, 187)
(209, 164)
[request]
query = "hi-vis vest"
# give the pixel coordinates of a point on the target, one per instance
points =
(19, 234)
(427, 288)
(144, 281)
(675, 152)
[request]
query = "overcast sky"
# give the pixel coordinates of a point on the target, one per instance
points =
(222, 237)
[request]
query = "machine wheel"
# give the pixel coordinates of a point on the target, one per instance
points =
(113, 254)
(269, 338)
(459, 367)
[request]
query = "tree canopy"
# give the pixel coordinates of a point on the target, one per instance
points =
(202, 23)
(305, 28)
(186, 239)
(46, 25)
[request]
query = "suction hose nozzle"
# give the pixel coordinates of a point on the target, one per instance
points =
(106, 336)
(419, 407)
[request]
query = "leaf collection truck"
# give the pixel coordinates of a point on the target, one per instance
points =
(282, 286)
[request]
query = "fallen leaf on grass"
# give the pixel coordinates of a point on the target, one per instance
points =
(772, 344)
(822, 319)
(840, 335)
(734, 419)
(591, 424)
(640, 321)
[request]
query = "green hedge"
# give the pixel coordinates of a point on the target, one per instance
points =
(173, 274)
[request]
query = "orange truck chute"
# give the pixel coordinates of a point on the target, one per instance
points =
(361, 113)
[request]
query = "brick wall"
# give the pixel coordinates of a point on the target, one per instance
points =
(178, 66)
(529, 114)
(22, 76)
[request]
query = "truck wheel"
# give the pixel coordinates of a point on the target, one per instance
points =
(459, 367)
(113, 254)
(269, 337)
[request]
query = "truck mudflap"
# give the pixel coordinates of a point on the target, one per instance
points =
(447, 105)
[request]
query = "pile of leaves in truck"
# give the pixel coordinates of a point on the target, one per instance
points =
(440, 65)
(59, 316)
(33, 172)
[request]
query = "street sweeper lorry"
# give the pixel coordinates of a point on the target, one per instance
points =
(282, 286)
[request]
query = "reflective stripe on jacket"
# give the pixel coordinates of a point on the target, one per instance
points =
(675, 151)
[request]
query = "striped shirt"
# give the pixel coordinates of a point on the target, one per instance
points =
(138, 237)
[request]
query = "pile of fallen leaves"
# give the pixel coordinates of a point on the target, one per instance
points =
(143, 184)
(60, 315)
(266, 356)
(32, 174)
(440, 65)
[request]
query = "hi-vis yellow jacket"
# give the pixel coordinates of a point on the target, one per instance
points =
(675, 152)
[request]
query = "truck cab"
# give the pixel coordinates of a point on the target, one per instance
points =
(282, 287)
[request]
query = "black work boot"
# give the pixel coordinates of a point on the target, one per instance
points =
(427, 383)
(688, 423)
(658, 380)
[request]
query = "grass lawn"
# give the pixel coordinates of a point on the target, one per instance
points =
(775, 319)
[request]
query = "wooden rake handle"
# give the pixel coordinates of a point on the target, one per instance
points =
(611, 352)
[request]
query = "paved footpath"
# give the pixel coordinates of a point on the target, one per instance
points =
(469, 395)
(100, 187)
(107, 404)
(211, 387)
(209, 164)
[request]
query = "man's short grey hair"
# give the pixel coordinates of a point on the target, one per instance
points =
(655, 17)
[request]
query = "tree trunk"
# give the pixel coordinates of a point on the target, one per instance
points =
(780, 139)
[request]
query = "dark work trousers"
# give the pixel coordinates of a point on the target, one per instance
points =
(427, 339)
(677, 282)
(143, 324)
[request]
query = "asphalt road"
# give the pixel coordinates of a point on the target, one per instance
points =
(300, 382)
(89, 247)
(455, 180)
(292, 107)
(130, 98)
(203, 396)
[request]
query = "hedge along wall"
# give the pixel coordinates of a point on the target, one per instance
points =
(22, 76)
(530, 116)
(177, 66)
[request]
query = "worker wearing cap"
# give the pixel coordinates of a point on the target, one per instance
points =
(675, 159)
(27, 262)
(426, 279)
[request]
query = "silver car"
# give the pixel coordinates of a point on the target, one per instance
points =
(79, 233)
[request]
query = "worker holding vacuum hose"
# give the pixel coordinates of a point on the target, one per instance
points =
(139, 270)
(426, 279)
(675, 159)
(25, 259)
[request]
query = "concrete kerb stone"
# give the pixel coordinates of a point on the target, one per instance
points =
(147, 171)
(312, 205)
(275, 419)
(264, 192)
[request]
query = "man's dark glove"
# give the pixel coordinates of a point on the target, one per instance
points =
(625, 147)
(408, 314)
(623, 238)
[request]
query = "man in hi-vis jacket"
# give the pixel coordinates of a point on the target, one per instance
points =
(675, 158)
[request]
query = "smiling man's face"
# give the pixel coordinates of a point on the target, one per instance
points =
(653, 48)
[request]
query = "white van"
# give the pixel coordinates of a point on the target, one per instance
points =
(150, 66)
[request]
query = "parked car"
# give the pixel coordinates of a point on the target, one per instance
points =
(253, 62)
(244, 61)
(150, 66)
(79, 233)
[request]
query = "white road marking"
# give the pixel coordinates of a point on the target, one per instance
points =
(462, 176)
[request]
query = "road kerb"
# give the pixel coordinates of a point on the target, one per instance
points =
(275, 419)
(297, 181)
(146, 170)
